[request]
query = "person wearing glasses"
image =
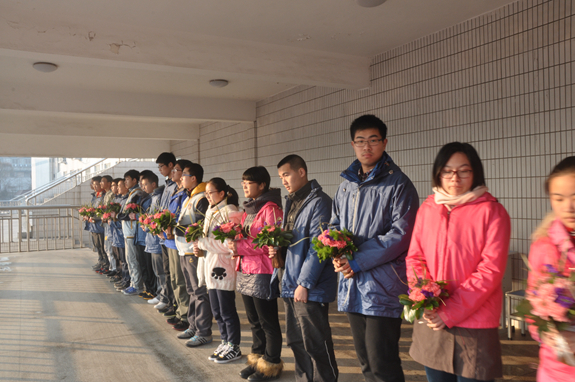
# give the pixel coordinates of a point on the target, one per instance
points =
(263, 207)
(376, 202)
(461, 236)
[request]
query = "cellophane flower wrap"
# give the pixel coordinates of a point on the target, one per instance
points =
(160, 221)
(550, 305)
(332, 243)
(423, 293)
(229, 230)
(273, 235)
(194, 231)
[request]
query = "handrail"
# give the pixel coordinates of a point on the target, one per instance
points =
(50, 207)
(61, 180)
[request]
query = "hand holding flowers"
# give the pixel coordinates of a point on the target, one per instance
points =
(194, 231)
(229, 230)
(132, 209)
(424, 297)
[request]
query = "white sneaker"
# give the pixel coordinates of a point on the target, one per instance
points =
(160, 305)
(153, 301)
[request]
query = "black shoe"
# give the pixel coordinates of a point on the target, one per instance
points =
(257, 376)
(245, 373)
(181, 326)
(143, 294)
(173, 321)
(170, 313)
(116, 279)
(148, 296)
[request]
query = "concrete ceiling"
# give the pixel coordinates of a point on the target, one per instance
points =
(128, 63)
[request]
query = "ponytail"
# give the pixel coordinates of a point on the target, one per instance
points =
(231, 194)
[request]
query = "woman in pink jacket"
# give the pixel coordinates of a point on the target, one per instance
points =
(461, 236)
(555, 235)
(254, 279)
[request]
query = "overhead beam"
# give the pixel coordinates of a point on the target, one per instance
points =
(200, 54)
(85, 125)
(79, 147)
(114, 103)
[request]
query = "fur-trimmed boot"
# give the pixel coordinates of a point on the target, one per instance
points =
(252, 362)
(266, 371)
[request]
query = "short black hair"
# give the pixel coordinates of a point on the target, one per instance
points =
(183, 163)
(368, 121)
(295, 162)
(116, 180)
(195, 170)
(258, 174)
(447, 152)
(150, 176)
(108, 178)
(97, 179)
(166, 159)
(134, 174)
(565, 167)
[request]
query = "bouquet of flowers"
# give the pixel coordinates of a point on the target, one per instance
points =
(86, 211)
(132, 208)
(195, 231)
(423, 294)
(113, 209)
(100, 210)
(229, 230)
(160, 221)
(332, 243)
(273, 236)
(550, 306)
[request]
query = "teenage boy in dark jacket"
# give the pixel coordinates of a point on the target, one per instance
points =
(94, 226)
(307, 286)
(377, 203)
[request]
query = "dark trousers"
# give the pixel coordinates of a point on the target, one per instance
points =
(265, 325)
(376, 341)
(145, 261)
(308, 334)
(116, 256)
(166, 264)
(98, 239)
(161, 287)
(223, 304)
(199, 310)
(441, 376)
(123, 264)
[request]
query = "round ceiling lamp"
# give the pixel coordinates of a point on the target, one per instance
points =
(45, 67)
(369, 3)
(219, 83)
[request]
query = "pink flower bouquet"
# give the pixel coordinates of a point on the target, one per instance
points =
(195, 231)
(550, 306)
(229, 230)
(273, 236)
(423, 294)
(333, 244)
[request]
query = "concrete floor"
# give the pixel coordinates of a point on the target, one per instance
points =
(60, 321)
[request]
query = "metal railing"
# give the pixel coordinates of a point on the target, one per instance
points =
(41, 228)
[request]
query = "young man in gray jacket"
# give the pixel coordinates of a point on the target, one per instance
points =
(307, 286)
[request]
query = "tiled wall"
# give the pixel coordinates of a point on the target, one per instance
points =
(503, 81)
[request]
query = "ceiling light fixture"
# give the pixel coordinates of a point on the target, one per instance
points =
(45, 67)
(369, 3)
(219, 83)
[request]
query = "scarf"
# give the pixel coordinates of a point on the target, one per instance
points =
(451, 201)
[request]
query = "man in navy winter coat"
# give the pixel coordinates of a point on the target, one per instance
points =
(376, 202)
(307, 286)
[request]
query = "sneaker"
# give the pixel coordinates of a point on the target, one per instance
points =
(170, 313)
(220, 349)
(116, 279)
(198, 341)
(173, 321)
(182, 325)
(186, 334)
(231, 353)
(148, 296)
(131, 291)
(160, 305)
(143, 294)
(153, 301)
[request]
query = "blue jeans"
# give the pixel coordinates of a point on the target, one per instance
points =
(441, 376)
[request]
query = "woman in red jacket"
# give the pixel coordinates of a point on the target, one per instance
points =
(254, 279)
(461, 236)
(552, 239)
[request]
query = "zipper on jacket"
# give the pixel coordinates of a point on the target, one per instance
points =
(355, 199)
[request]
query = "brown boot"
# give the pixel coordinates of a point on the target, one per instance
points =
(252, 362)
(266, 371)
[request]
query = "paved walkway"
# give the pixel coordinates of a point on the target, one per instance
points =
(60, 321)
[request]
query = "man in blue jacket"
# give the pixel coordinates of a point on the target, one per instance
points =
(307, 286)
(377, 203)
(95, 227)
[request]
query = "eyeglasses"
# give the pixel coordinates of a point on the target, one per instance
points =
(176, 170)
(247, 183)
(371, 142)
(461, 174)
(188, 175)
(212, 192)
(160, 166)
